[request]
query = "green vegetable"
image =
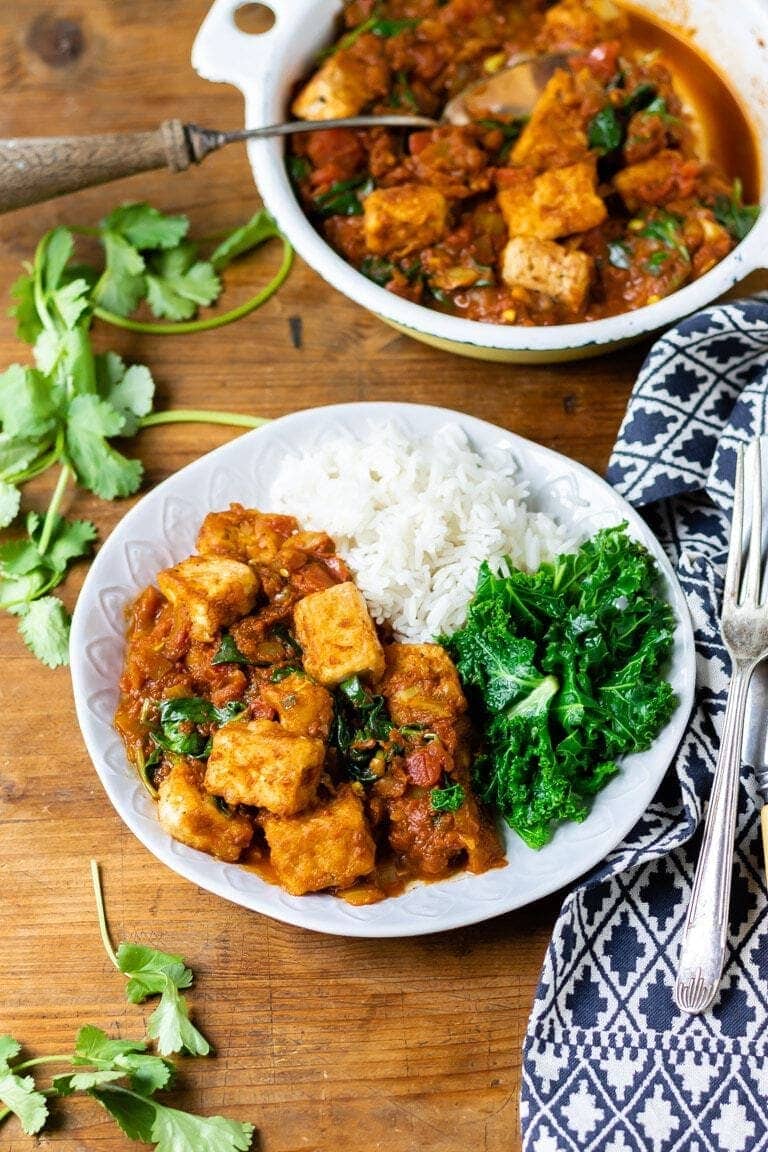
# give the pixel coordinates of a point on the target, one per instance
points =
(284, 672)
(343, 197)
(299, 168)
(68, 409)
(658, 107)
(733, 214)
(565, 665)
(403, 94)
(639, 99)
(605, 131)
(387, 28)
(378, 270)
(361, 727)
(656, 261)
(665, 228)
(447, 799)
(228, 652)
(510, 130)
(123, 1075)
(180, 722)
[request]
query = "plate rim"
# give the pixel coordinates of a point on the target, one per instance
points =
(310, 912)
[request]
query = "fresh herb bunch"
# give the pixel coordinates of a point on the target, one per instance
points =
(566, 665)
(123, 1075)
(69, 407)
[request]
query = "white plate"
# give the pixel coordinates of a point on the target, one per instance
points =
(160, 530)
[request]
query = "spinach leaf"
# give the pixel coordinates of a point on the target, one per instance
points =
(180, 721)
(605, 131)
(228, 652)
(343, 197)
(734, 215)
(361, 728)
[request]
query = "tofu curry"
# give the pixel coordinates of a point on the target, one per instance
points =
(608, 197)
(276, 726)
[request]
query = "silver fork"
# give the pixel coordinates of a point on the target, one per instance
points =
(744, 627)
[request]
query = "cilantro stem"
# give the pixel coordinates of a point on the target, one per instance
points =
(101, 913)
(37, 469)
(199, 416)
(185, 326)
(53, 509)
(65, 1059)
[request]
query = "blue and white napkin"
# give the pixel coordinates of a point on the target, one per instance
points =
(610, 1063)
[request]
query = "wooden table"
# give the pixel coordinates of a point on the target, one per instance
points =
(398, 1045)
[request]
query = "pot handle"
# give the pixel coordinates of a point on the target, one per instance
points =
(223, 53)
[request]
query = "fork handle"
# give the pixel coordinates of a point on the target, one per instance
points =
(702, 952)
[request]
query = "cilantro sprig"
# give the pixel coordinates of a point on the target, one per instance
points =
(68, 409)
(124, 1076)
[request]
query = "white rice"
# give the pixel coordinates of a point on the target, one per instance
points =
(414, 520)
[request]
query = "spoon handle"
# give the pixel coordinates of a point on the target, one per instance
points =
(33, 169)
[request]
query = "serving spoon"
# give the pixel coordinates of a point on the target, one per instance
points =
(37, 168)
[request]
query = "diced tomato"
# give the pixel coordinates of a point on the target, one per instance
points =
(600, 60)
(336, 153)
(426, 765)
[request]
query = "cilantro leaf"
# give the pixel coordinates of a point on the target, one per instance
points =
(129, 390)
(259, 228)
(70, 540)
(28, 322)
(28, 408)
(150, 973)
(45, 628)
(146, 1072)
(17, 453)
(177, 283)
(134, 1115)
(10, 498)
(144, 227)
(9, 1047)
(72, 301)
(18, 1093)
(99, 467)
(56, 249)
(122, 283)
(177, 1131)
(171, 1027)
(70, 1082)
(149, 970)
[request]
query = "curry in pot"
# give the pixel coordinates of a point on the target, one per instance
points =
(608, 197)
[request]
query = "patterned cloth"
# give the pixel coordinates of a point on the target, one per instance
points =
(610, 1063)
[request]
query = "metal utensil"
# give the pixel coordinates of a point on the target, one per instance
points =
(38, 168)
(755, 747)
(744, 626)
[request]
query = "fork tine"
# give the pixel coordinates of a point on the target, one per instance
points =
(754, 479)
(733, 569)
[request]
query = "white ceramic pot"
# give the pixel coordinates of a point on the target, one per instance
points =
(266, 68)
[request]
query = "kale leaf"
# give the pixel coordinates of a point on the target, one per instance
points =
(566, 667)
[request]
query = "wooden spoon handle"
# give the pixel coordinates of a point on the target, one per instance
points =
(764, 830)
(38, 168)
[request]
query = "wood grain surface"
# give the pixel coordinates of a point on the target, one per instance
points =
(323, 1043)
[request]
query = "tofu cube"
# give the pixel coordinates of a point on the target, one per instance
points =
(244, 534)
(337, 635)
(329, 846)
(213, 592)
(337, 89)
(400, 221)
(261, 764)
(421, 684)
(666, 176)
(189, 813)
(556, 133)
(556, 203)
(303, 707)
(544, 266)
